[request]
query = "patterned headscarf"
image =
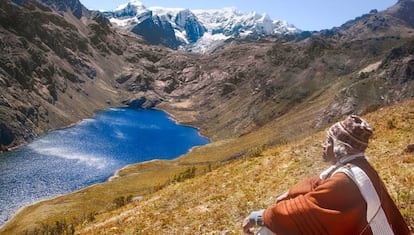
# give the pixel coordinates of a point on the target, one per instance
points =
(350, 136)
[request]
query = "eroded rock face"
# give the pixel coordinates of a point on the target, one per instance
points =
(156, 30)
(6, 135)
(57, 66)
(403, 10)
(54, 68)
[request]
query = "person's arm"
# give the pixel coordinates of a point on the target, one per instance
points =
(333, 201)
(303, 187)
(255, 218)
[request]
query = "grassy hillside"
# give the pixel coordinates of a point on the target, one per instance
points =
(262, 102)
(218, 201)
(227, 184)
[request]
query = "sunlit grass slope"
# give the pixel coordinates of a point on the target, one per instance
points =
(217, 201)
(232, 177)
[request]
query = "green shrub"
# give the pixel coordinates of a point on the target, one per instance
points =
(122, 201)
(57, 228)
(255, 152)
(187, 174)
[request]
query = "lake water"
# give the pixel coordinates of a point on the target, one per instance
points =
(90, 152)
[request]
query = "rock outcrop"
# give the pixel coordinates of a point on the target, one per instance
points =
(56, 69)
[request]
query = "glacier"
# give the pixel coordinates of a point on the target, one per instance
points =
(195, 30)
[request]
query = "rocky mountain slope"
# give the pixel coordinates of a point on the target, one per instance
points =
(57, 65)
(56, 68)
(355, 68)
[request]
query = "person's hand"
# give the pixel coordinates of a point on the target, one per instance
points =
(282, 196)
(247, 226)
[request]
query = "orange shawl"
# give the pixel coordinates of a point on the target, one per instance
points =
(331, 206)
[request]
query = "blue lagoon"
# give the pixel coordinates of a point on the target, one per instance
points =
(70, 159)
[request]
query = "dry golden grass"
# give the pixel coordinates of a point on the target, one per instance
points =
(240, 177)
(217, 201)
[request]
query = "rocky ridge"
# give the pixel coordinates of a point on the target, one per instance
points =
(194, 30)
(56, 69)
(240, 87)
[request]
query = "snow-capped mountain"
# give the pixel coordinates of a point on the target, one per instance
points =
(194, 30)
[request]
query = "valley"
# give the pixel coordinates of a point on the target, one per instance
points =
(264, 102)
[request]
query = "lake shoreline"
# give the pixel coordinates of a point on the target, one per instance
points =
(114, 175)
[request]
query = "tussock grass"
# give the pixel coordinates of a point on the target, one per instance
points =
(217, 201)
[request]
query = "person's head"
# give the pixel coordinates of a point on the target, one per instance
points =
(347, 137)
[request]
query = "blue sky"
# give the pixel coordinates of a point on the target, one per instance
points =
(304, 14)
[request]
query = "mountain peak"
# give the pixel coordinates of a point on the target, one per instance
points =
(61, 6)
(403, 11)
(132, 3)
(196, 29)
